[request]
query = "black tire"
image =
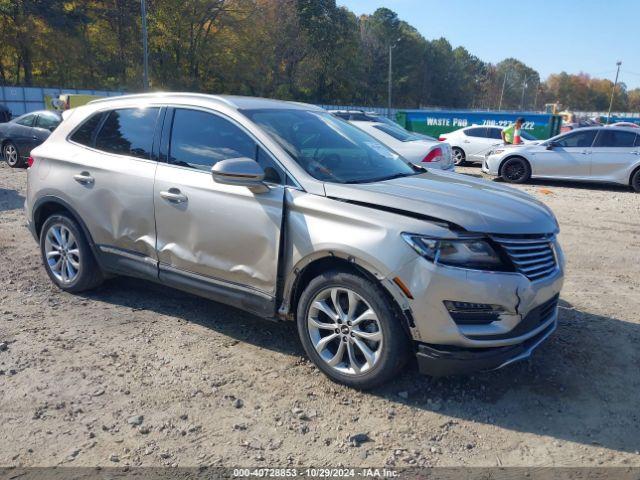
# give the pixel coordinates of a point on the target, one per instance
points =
(459, 157)
(395, 347)
(12, 156)
(89, 275)
(516, 170)
(635, 181)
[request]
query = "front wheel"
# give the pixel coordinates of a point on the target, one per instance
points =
(635, 181)
(350, 331)
(516, 170)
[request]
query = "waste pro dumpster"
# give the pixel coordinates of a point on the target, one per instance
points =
(437, 122)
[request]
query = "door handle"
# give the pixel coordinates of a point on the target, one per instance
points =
(585, 152)
(467, 141)
(173, 195)
(84, 178)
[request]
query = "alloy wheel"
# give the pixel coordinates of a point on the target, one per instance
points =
(345, 331)
(62, 253)
(458, 156)
(10, 155)
(514, 171)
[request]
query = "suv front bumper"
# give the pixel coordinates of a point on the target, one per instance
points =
(445, 345)
(439, 360)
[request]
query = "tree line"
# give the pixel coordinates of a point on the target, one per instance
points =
(307, 50)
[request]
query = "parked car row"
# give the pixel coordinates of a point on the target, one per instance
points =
(602, 154)
(419, 149)
(471, 144)
(22, 134)
(288, 212)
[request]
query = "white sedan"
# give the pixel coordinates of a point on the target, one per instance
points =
(471, 144)
(419, 149)
(602, 154)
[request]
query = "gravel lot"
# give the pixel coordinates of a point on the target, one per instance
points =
(138, 374)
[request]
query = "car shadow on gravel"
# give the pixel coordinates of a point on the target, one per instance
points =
(10, 200)
(144, 295)
(581, 386)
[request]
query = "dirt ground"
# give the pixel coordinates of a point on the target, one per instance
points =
(138, 374)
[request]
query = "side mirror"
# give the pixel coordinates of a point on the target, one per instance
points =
(242, 171)
(550, 145)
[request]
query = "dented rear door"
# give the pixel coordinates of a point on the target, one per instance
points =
(111, 184)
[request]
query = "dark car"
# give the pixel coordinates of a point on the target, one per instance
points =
(19, 136)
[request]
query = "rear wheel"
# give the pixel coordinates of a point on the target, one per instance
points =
(11, 155)
(516, 170)
(67, 256)
(459, 157)
(635, 181)
(349, 330)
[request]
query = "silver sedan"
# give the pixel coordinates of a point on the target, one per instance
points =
(598, 154)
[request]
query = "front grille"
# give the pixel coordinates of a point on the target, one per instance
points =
(533, 257)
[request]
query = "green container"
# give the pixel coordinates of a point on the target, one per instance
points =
(438, 122)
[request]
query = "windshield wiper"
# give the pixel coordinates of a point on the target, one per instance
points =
(383, 179)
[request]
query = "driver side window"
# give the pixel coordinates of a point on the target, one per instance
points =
(579, 139)
(200, 139)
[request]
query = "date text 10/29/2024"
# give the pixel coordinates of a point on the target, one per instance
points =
(314, 472)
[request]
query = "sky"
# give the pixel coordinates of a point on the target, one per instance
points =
(548, 35)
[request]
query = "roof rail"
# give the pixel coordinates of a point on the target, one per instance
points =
(162, 94)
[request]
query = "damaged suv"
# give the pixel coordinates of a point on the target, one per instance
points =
(285, 211)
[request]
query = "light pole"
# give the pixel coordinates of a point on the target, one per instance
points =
(504, 84)
(524, 85)
(613, 90)
(535, 99)
(391, 47)
(145, 48)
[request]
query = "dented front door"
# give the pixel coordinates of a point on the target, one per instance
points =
(221, 233)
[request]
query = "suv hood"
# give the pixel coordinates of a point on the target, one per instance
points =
(475, 205)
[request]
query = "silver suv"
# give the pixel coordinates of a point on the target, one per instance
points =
(290, 213)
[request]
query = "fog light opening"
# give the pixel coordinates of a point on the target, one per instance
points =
(467, 313)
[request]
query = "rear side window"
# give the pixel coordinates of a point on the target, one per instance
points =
(128, 132)
(476, 132)
(496, 133)
(615, 138)
(26, 121)
(84, 134)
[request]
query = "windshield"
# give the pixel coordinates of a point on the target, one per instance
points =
(528, 136)
(331, 149)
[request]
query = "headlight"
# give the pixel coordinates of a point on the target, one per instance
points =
(473, 253)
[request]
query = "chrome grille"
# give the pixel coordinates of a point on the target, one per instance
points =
(533, 257)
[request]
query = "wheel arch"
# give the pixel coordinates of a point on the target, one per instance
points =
(309, 268)
(49, 205)
(504, 160)
(633, 172)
